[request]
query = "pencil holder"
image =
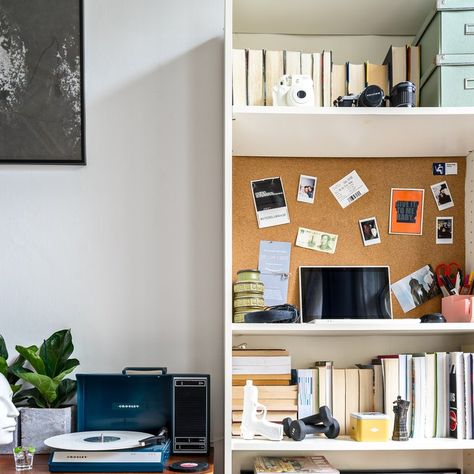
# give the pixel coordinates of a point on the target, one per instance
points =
(458, 308)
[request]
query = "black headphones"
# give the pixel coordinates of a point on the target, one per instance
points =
(284, 313)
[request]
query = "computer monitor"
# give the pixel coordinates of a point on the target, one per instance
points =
(356, 292)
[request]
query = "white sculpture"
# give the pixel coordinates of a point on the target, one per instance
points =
(254, 417)
(8, 412)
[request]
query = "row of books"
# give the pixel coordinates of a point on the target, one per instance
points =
(345, 391)
(255, 72)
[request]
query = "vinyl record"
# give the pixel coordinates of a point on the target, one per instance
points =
(188, 466)
(97, 440)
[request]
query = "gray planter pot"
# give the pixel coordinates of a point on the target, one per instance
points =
(8, 448)
(38, 424)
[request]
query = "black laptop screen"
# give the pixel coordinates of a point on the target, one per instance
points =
(345, 293)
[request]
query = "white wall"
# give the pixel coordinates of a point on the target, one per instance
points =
(127, 251)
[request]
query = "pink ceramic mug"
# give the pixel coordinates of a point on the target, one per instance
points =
(458, 308)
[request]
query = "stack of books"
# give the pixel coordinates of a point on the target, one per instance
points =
(262, 366)
(311, 464)
(270, 370)
(255, 72)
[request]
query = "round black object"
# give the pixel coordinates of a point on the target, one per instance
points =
(301, 94)
(371, 96)
(403, 95)
(433, 318)
(188, 466)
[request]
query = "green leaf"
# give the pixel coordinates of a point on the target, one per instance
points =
(3, 348)
(55, 352)
(15, 388)
(32, 397)
(3, 366)
(17, 363)
(31, 355)
(45, 385)
(66, 390)
(70, 365)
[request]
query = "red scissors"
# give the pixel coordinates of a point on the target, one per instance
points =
(449, 271)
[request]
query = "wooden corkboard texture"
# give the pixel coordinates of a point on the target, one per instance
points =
(403, 253)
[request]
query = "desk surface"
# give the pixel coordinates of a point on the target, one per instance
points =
(41, 463)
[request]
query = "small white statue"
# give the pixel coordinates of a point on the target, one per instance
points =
(254, 417)
(8, 412)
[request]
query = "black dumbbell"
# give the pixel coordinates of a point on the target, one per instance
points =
(322, 422)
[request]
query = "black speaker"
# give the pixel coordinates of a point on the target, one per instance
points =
(190, 414)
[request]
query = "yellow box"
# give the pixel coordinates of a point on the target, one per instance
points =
(370, 426)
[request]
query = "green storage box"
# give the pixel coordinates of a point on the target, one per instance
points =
(449, 83)
(449, 29)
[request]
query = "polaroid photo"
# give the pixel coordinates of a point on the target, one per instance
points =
(369, 231)
(442, 195)
(307, 189)
(416, 288)
(270, 202)
(444, 230)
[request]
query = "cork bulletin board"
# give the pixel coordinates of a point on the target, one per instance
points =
(403, 253)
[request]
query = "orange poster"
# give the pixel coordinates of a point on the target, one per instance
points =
(406, 211)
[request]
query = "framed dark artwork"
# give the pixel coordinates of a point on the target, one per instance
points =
(41, 82)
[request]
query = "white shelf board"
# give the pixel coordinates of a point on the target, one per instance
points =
(353, 328)
(352, 132)
(330, 17)
(346, 444)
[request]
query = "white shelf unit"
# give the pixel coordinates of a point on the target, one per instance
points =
(352, 132)
(311, 25)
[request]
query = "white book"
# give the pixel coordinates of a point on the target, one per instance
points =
(402, 376)
(261, 369)
(318, 79)
(305, 392)
(468, 394)
(409, 389)
(442, 391)
(266, 361)
(292, 62)
(378, 389)
(419, 396)
(239, 77)
(255, 86)
(307, 64)
(327, 63)
(430, 413)
(390, 386)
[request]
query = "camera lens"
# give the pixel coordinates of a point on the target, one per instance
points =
(371, 96)
(403, 95)
(301, 94)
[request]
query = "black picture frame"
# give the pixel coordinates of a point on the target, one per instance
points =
(42, 116)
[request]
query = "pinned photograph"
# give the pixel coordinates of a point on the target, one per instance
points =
(306, 189)
(444, 230)
(270, 202)
(406, 211)
(416, 288)
(316, 240)
(369, 231)
(442, 195)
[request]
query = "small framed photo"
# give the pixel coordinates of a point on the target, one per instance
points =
(369, 231)
(406, 211)
(442, 195)
(307, 188)
(444, 230)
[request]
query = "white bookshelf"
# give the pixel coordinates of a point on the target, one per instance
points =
(312, 25)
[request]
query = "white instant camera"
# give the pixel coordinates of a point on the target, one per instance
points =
(295, 90)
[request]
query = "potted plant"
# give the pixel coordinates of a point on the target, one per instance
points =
(43, 409)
